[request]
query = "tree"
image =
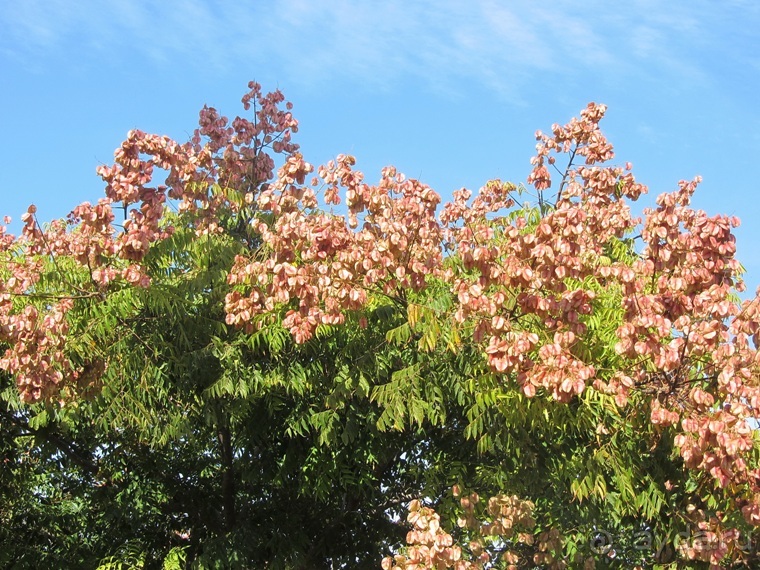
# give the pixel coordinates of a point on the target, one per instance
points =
(242, 373)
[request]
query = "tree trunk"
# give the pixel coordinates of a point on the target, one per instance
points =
(228, 477)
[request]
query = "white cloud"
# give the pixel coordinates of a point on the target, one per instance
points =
(500, 44)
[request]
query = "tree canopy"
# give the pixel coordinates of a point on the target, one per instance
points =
(236, 360)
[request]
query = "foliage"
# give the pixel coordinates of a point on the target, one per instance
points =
(244, 374)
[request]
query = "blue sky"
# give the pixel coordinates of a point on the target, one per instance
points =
(449, 92)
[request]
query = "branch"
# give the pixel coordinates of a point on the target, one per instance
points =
(563, 182)
(228, 475)
(61, 297)
(53, 257)
(63, 445)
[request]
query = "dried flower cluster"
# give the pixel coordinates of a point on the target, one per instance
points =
(507, 522)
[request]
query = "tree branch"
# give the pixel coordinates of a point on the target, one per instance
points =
(76, 455)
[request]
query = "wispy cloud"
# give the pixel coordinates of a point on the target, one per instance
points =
(500, 44)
